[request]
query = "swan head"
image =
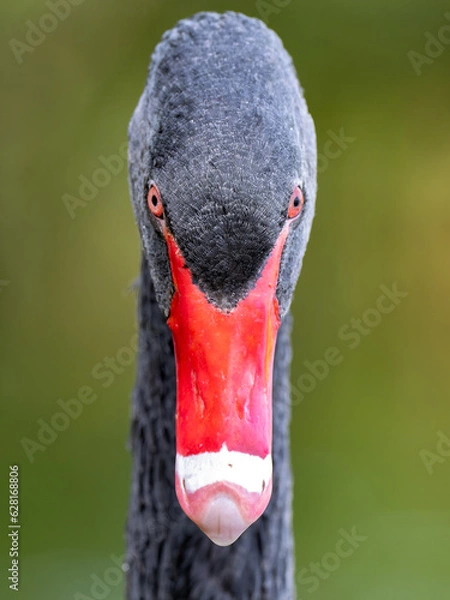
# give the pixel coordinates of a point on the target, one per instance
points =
(222, 168)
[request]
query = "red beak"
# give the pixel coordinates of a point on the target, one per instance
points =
(224, 363)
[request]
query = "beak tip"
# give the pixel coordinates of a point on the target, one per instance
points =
(223, 493)
(222, 521)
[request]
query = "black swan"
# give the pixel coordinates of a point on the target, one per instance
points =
(222, 167)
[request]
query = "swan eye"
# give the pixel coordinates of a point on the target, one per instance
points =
(154, 202)
(296, 203)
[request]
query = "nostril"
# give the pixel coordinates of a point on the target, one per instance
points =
(263, 485)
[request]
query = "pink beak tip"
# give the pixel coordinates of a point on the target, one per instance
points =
(222, 520)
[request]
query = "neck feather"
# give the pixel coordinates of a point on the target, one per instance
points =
(169, 558)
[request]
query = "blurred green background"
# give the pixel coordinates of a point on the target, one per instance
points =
(383, 216)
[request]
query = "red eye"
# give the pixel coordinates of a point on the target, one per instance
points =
(154, 201)
(296, 203)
